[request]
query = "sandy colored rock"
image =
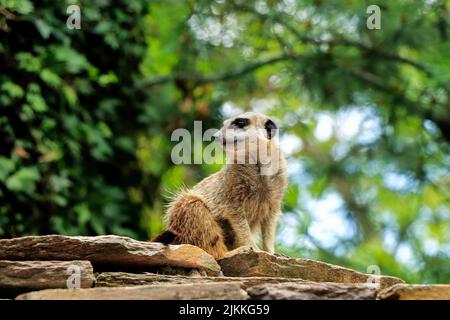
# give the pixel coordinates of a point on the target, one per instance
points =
(118, 279)
(108, 252)
(313, 291)
(22, 276)
(416, 292)
(245, 262)
(214, 291)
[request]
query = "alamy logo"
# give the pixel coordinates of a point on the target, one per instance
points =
(374, 278)
(374, 20)
(74, 20)
(74, 279)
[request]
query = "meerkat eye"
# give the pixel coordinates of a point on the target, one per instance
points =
(271, 128)
(240, 123)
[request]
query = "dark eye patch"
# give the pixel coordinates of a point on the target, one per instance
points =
(271, 128)
(240, 122)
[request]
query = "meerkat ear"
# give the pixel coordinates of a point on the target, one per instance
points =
(271, 128)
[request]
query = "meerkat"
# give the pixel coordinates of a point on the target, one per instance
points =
(227, 209)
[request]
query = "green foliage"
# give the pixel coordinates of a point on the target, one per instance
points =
(69, 103)
(86, 117)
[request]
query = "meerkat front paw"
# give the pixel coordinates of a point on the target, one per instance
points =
(243, 249)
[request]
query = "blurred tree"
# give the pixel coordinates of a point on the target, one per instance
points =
(86, 117)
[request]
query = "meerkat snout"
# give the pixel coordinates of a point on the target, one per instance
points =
(226, 210)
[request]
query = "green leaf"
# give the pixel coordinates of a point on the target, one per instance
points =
(97, 225)
(432, 197)
(319, 186)
(37, 102)
(291, 196)
(13, 90)
(6, 167)
(59, 183)
(44, 29)
(83, 213)
(22, 7)
(70, 95)
(28, 62)
(108, 78)
(51, 78)
(23, 180)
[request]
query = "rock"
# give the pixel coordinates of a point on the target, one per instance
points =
(313, 291)
(108, 252)
(21, 276)
(245, 262)
(214, 291)
(169, 270)
(416, 292)
(118, 279)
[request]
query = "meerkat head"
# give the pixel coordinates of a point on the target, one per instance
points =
(250, 138)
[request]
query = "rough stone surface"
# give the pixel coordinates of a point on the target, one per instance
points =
(416, 292)
(313, 291)
(21, 276)
(108, 252)
(120, 279)
(120, 268)
(214, 291)
(245, 262)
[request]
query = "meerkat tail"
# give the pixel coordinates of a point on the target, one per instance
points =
(194, 224)
(166, 237)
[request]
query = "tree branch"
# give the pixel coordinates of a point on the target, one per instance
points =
(224, 76)
(246, 69)
(337, 42)
(380, 85)
(11, 16)
(371, 50)
(7, 14)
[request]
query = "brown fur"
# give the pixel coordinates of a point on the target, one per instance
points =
(225, 210)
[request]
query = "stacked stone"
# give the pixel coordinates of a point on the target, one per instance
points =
(113, 267)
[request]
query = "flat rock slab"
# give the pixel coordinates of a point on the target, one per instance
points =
(108, 252)
(213, 291)
(313, 291)
(120, 279)
(245, 262)
(21, 276)
(416, 292)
